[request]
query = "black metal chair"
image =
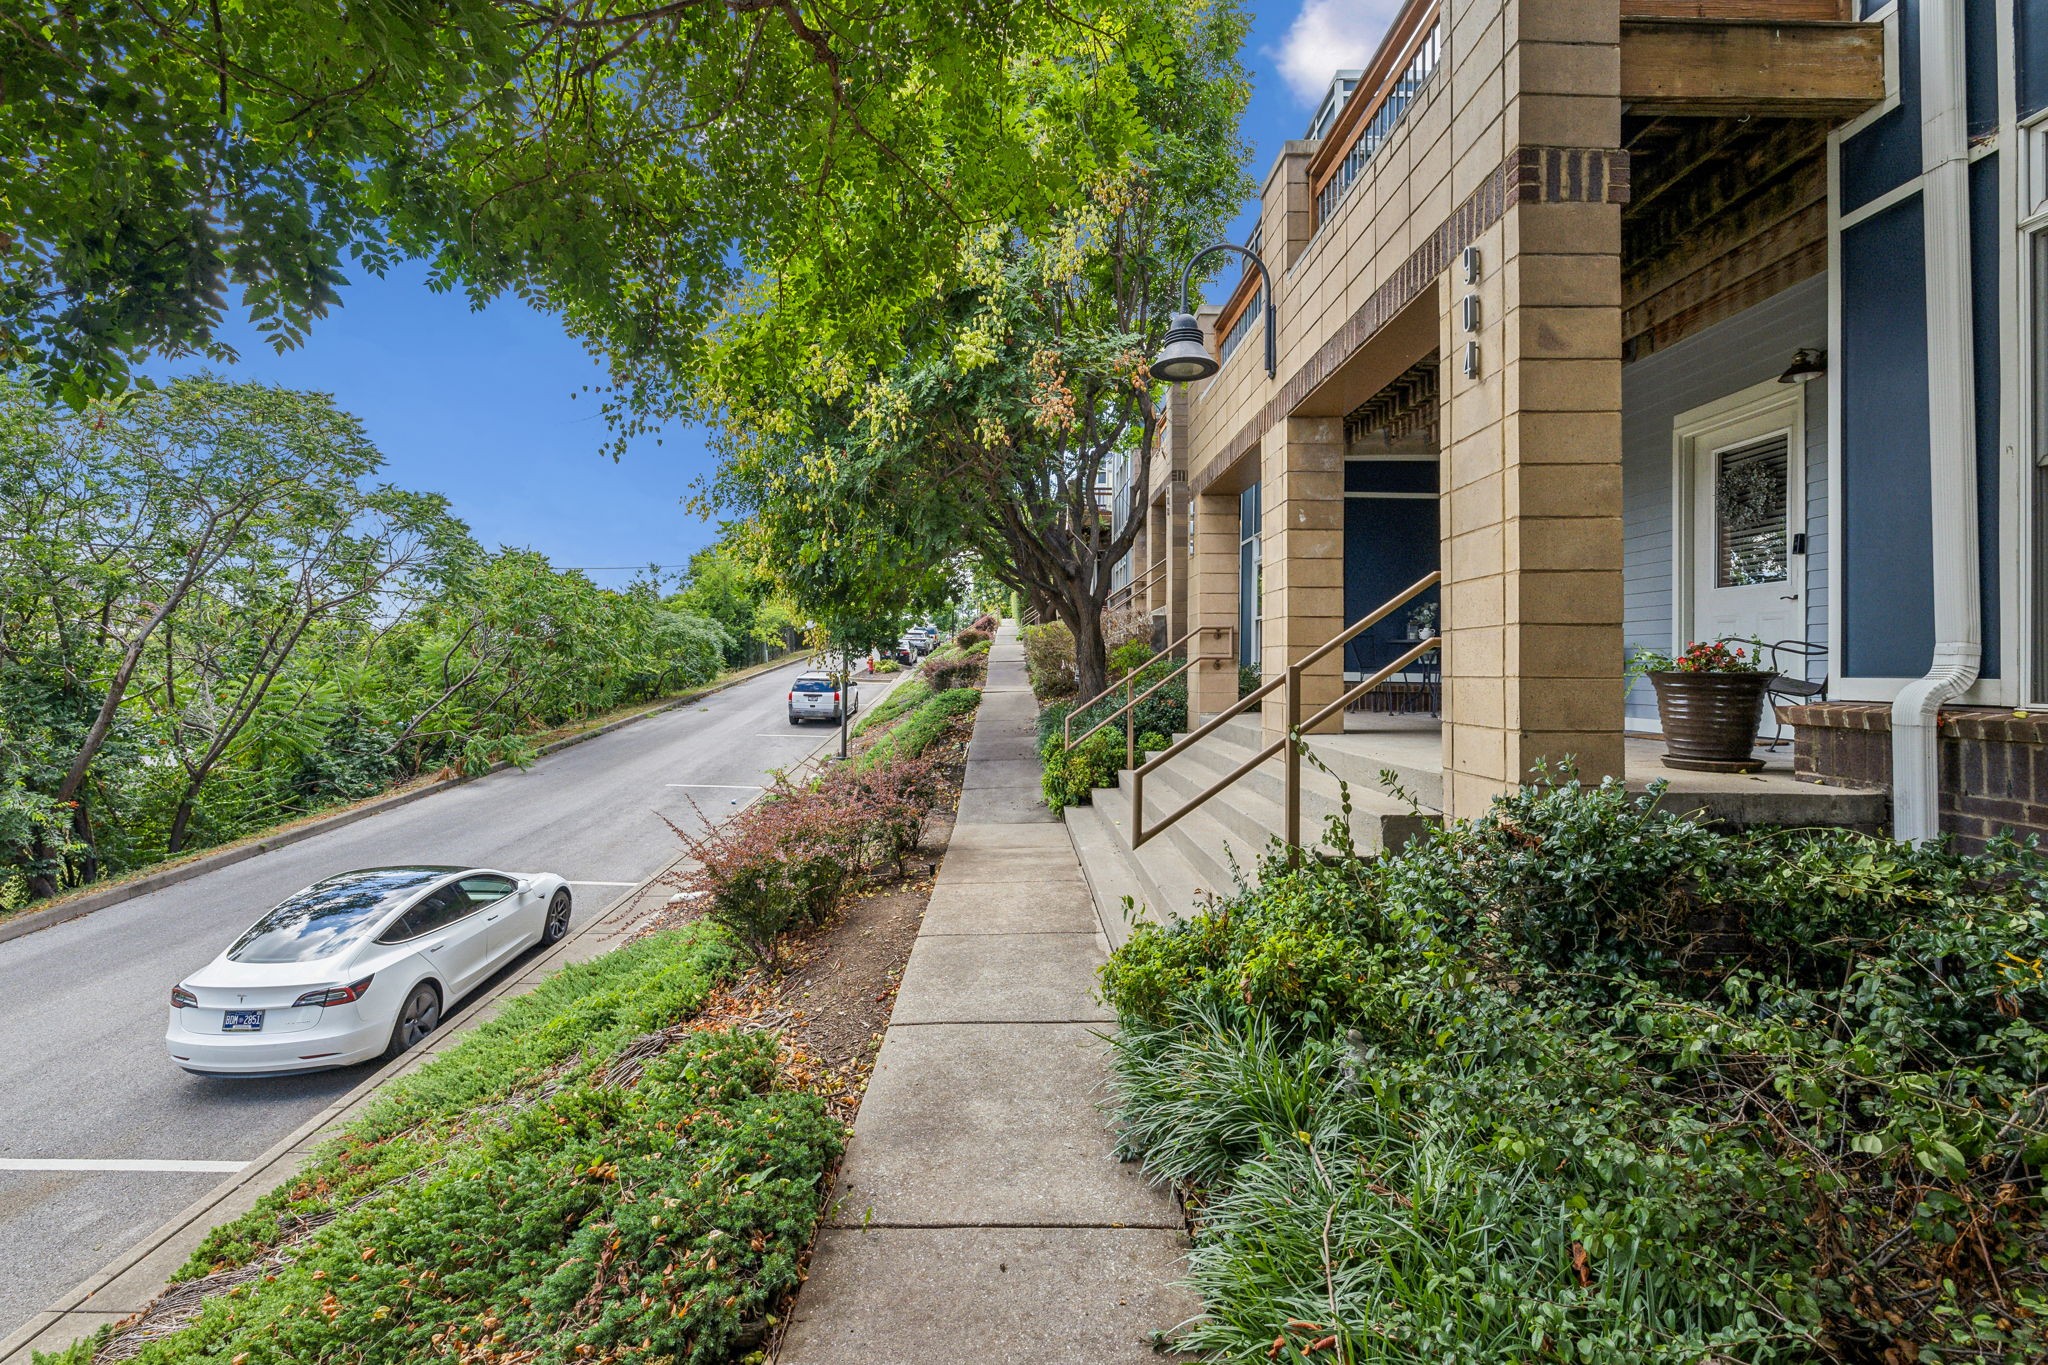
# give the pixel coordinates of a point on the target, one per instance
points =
(1789, 687)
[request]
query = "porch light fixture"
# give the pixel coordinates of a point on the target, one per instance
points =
(1807, 363)
(1184, 358)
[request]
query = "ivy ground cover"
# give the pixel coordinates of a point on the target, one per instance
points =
(586, 1177)
(1584, 1081)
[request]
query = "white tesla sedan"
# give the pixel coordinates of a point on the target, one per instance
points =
(360, 965)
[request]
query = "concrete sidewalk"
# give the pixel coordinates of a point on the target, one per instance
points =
(980, 1213)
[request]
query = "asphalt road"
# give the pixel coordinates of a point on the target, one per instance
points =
(83, 1073)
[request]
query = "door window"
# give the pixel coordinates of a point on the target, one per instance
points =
(1751, 492)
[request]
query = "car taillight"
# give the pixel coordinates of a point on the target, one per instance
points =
(182, 999)
(792, 696)
(335, 995)
(835, 696)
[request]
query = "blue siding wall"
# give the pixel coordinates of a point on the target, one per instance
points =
(1885, 626)
(1985, 299)
(1749, 348)
(1887, 153)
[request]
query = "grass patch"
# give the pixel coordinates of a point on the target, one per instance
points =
(925, 725)
(902, 698)
(583, 1177)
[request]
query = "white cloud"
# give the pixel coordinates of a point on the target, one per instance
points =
(1329, 36)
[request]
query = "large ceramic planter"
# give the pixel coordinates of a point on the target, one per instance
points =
(1710, 719)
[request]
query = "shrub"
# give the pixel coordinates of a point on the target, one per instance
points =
(884, 666)
(972, 636)
(778, 864)
(1584, 1074)
(986, 623)
(655, 1209)
(1248, 680)
(1049, 660)
(1128, 657)
(947, 670)
(1068, 777)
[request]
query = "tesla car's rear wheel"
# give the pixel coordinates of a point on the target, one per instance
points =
(416, 1018)
(557, 926)
(796, 720)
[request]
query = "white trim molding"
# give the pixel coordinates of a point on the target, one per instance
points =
(1749, 414)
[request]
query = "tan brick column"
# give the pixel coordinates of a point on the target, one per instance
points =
(1532, 445)
(1211, 590)
(1173, 580)
(1302, 523)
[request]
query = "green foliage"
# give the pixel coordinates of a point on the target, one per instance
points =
(903, 698)
(282, 631)
(1583, 1081)
(1128, 656)
(1049, 660)
(925, 725)
(1071, 774)
(624, 173)
(659, 1205)
(1248, 680)
(784, 861)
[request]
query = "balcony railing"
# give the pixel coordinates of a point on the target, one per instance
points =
(1253, 313)
(1387, 105)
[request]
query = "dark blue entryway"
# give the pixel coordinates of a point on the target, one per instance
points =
(1390, 540)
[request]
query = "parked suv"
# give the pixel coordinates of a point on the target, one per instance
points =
(816, 696)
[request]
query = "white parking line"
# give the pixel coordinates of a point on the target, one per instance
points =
(75, 1164)
(604, 883)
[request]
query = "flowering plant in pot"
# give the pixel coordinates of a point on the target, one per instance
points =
(1710, 697)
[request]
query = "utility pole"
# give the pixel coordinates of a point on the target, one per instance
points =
(846, 699)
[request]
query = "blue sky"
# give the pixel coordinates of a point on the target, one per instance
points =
(478, 405)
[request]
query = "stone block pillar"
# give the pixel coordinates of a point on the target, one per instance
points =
(1211, 590)
(1532, 442)
(1301, 491)
(1173, 577)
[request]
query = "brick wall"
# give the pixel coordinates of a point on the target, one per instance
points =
(1994, 763)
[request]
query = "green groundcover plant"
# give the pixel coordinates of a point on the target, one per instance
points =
(1586, 1081)
(583, 1178)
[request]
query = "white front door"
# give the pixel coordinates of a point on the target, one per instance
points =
(1739, 555)
(1743, 504)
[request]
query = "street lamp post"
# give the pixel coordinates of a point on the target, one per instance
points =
(1184, 358)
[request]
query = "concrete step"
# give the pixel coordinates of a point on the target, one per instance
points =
(1157, 877)
(1425, 783)
(1378, 820)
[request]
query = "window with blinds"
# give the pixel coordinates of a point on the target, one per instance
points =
(1751, 533)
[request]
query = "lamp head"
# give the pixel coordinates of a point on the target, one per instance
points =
(1184, 357)
(1806, 364)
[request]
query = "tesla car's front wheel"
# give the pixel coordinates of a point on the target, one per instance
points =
(416, 1018)
(557, 926)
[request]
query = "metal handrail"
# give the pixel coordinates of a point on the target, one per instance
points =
(1291, 741)
(1129, 591)
(1067, 740)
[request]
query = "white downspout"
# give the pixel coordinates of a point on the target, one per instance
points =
(1952, 427)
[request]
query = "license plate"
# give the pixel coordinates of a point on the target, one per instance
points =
(242, 1021)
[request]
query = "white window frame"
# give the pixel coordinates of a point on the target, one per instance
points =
(2031, 616)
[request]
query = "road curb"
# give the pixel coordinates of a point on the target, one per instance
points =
(29, 921)
(174, 1241)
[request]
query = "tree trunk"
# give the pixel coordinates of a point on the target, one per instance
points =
(1091, 659)
(179, 821)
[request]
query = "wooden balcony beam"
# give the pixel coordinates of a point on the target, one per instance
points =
(1768, 68)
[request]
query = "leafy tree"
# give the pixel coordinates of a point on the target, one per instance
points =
(620, 165)
(1016, 391)
(213, 616)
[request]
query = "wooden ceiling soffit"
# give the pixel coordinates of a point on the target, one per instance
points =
(1405, 408)
(1769, 67)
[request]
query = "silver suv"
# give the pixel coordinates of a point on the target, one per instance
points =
(816, 696)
